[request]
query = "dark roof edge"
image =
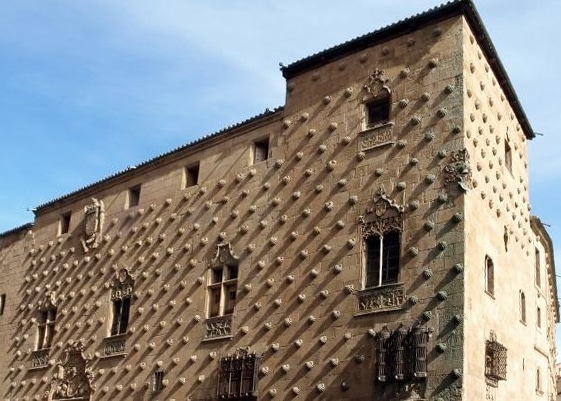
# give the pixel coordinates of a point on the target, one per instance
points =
(407, 25)
(158, 159)
(25, 226)
(539, 226)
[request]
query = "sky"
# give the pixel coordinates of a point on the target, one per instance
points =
(90, 87)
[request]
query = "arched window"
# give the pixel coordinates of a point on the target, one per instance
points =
(489, 276)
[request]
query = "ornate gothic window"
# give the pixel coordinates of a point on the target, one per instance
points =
(401, 354)
(381, 227)
(222, 292)
(237, 378)
(495, 360)
(46, 321)
(121, 293)
(489, 276)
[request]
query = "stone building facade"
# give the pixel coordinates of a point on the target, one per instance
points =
(369, 240)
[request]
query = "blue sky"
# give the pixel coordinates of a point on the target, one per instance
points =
(91, 87)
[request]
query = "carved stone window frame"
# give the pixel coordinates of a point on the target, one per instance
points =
(121, 289)
(381, 215)
(220, 325)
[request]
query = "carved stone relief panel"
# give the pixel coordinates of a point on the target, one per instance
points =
(457, 172)
(376, 137)
(381, 299)
(218, 327)
(380, 216)
(122, 286)
(72, 379)
(93, 224)
(377, 83)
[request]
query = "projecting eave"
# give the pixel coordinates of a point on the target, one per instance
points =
(130, 172)
(456, 8)
(540, 230)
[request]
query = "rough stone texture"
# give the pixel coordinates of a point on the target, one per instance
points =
(169, 241)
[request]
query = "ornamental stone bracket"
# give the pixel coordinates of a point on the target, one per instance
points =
(114, 346)
(93, 225)
(218, 327)
(376, 137)
(381, 299)
(72, 379)
(457, 172)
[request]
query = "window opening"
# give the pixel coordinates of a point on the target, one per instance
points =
(538, 380)
(133, 196)
(508, 156)
(378, 112)
(538, 268)
(382, 259)
(2, 303)
(489, 276)
(238, 375)
(495, 361)
(191, 176)
(522, 307)
(121, 292)
(157, 381)
(539, 317)
(64, 223)
(260, 150)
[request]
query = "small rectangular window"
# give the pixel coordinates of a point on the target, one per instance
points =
(133, 196)
(2, 303)
(539, 317)
(378, 112)
(538, 380)
(260, 150)
(191, 176)
(538, 268)
(64, 223)
(157, 382)
(522, 307)
(489, 276)
(508, 156)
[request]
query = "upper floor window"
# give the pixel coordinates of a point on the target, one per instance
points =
(221, 293)
(382, 259)
(539, 385)
(508, 156)
(64, 223)
(46, 321)
(522, 307)
(238, 375)
(381, 227)
(489, 276)
(538, 269)
(378, 112)
(260, 150)
(133, 197)
(121, 293)
(2, 303)
(191, 176)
